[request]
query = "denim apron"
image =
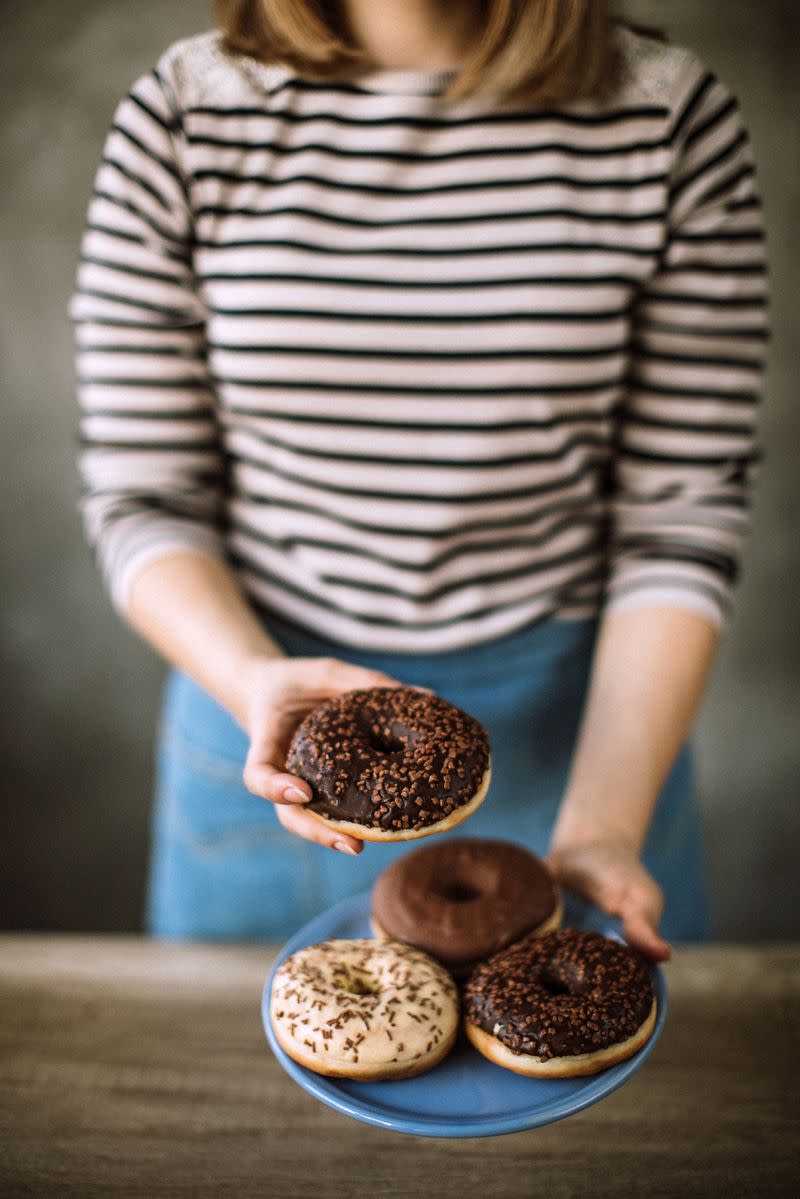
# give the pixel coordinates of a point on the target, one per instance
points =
(222, 866)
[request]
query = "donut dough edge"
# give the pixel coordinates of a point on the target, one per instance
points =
(572, 1066)
(375, 1073)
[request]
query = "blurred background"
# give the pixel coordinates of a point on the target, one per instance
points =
(79, 694)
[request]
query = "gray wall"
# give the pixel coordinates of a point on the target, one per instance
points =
(79, 693)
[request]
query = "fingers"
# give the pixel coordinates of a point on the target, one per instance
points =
(304, 824)
(640, 912)
(340, 676)
(289, 794)
(623, 889)
(641, 934)
(264, 779)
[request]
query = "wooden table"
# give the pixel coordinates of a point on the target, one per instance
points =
(129, 1067)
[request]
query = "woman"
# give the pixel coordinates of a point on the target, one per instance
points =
(421, 341)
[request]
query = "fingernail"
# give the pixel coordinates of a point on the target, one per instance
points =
(295, 795)
(343, 847)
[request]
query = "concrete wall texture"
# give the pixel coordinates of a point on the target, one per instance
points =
(79, 694)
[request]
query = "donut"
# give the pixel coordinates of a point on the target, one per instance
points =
(464, 900)
(364, 1009)
(391, 763)
(560, 1006)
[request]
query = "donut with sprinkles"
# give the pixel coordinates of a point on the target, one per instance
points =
(364, 1009)
(391, 763)
(567, 1004)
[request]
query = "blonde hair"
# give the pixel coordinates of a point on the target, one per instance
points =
(531, 51)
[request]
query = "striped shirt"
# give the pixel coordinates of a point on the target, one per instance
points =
(423, 372)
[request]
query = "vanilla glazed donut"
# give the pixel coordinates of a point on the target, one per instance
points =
(391, 763)
(567, 1004)
(364, 1009)
(464, 899)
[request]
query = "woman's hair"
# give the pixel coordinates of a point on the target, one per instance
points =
(531, 51)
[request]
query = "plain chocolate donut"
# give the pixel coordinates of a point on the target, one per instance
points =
(464, 899)
(566, 1004)
(391, 763)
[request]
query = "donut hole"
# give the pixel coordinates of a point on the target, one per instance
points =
(384, 743)
(554, 986)
(459, 892)
(355, 982)
(557, 980)
(382, 739)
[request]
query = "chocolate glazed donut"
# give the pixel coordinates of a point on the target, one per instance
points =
(563, 1005)
(465, 899)
(391, 763)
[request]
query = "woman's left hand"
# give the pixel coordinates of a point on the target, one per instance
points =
(611, 876)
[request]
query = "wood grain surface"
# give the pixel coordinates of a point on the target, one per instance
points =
(133, 1068)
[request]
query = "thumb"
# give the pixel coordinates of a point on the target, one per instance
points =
(339, 677)
(640, 915)
(552, 863)
(640, 934)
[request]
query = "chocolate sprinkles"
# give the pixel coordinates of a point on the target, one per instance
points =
(357, 991)
(392, 758)
(568, 992)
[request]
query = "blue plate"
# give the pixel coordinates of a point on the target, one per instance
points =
(466, 1095)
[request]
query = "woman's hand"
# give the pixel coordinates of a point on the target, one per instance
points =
(610, 875)
(191, 608)
(650, 666)
(278, 694)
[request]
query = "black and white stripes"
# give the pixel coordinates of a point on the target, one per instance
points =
(423, 372)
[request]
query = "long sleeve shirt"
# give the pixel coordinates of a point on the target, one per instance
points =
(423, 372)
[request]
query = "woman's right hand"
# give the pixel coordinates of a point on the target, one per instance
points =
(279, 693)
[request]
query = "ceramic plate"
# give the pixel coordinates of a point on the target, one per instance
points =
(466, 1095)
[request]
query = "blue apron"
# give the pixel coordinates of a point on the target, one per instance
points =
(222, 866)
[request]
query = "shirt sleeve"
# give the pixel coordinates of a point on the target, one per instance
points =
(686, 447)
(151, 462)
